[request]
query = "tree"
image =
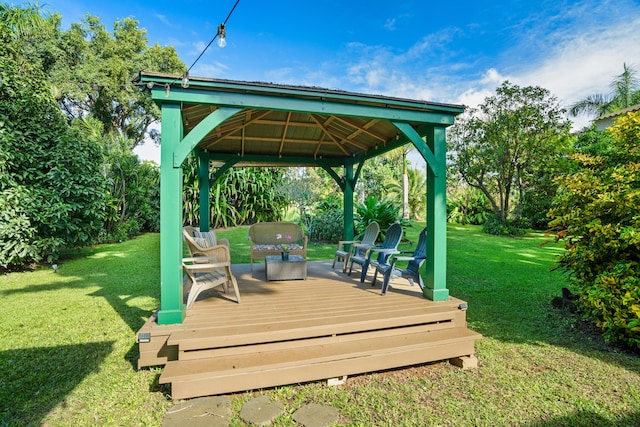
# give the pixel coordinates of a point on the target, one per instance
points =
(91, 71)
(596, 213)
(501, 147)
(413, 189)
(51, 189)
(625, 93)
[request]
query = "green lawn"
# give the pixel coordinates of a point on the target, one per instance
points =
(68, 352)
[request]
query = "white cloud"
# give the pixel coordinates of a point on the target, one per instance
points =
(390, 24)
(586, 62)
(212, 69)
(165, 20)
(148, 151)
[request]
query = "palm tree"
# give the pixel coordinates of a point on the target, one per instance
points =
(23, 21)
(625, 93)
(414, 191)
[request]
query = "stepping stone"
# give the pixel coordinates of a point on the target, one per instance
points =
(314, 415)
(213, 411)
(261, 411)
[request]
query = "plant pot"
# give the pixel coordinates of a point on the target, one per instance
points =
(285, 256)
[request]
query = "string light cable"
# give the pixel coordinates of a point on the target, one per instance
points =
(221, 35)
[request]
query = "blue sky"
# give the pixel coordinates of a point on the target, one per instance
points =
(455, 52)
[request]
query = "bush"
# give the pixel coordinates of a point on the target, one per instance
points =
(596, 211)
(467, 205)
(496, 226)
(384, 212)
(51, 189)
(326, 225)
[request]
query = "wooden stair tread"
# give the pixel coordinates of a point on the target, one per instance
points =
(220, 336)
(304, 313)
(330, 349)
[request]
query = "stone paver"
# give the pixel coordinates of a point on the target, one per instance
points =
(314, 415)
(261, 411)
(206, 411)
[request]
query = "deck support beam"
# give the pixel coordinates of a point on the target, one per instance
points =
(172, 309)
(203, 188)
(434, 151)
(349, 184)
(436, 263)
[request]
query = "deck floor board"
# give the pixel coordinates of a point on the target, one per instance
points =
(299, 330)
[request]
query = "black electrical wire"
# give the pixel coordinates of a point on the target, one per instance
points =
(214, 37)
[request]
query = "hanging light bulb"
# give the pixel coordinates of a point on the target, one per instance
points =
(185, 79)
(222, 36)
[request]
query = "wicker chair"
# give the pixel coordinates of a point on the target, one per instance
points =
(208, 267)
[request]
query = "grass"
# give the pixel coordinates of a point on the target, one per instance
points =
(68, 352)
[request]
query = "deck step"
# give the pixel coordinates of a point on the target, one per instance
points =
(317, 359)
(328, 325)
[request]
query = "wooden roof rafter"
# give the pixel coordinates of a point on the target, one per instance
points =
(329, 134)
(284, 133)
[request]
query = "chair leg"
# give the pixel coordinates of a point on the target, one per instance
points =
(346, 261)
(363, 273)
(385, 281)
(234, 283)
(375, 276)
(193, 294)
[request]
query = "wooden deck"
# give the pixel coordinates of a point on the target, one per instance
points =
(286, 332)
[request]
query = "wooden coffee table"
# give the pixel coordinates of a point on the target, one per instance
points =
(295, 268)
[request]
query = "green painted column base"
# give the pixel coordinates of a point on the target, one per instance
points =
(171, 317)
(436, 294)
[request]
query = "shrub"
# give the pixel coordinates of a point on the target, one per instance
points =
(496, 226)
(384, 212)
(596, 211)
(51, 189)
(326, 225)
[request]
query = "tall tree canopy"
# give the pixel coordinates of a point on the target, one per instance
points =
(91, 69)
(503, 147)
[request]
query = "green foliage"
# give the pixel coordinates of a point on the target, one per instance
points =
(494, 225)
(49, 175)
(241, 196)
(507, 147)
(596, 211)
(467, 205)
(326, 224)
(383, 211)
(417, 191)
(91, 72)
(625, 93)
(378, 172)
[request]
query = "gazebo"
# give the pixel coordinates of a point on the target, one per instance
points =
(239, 124)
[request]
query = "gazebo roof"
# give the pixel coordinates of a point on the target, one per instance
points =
(295, 125)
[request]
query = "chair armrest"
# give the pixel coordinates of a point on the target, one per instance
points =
(404, 258)
(342, 243)
(386, 251)
(381, 250)
(198, 264)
